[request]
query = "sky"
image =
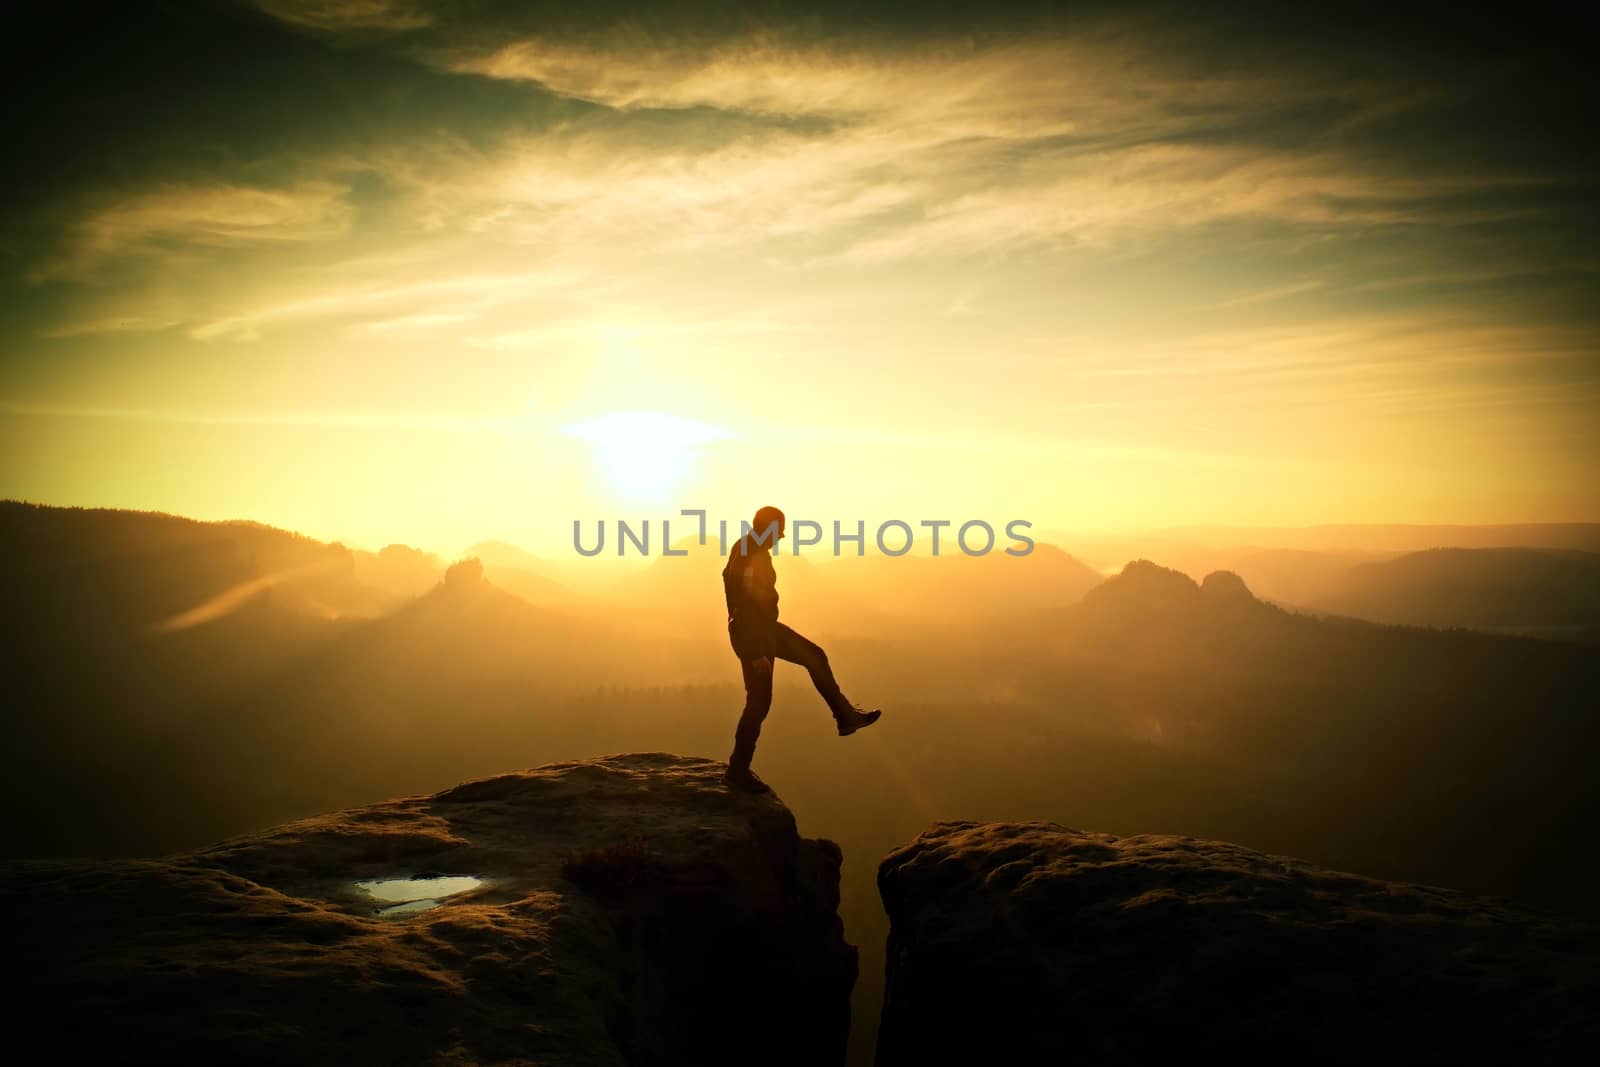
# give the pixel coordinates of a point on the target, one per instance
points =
(392, 270)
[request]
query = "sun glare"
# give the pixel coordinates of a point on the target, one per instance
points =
(646, 454)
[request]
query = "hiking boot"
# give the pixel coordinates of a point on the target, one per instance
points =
(852, 719)
(744, 780)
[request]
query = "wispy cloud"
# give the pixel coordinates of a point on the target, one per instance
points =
(900, 153)
(865, 152)
(411, 323)
(965, 91)
(1390, 366)
(522, 423)
(131, 322)
(351, 14)
(215, 216)
(612, 325)
(1263, 296)
(452, 299)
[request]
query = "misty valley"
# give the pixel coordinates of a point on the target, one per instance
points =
(1014, 688)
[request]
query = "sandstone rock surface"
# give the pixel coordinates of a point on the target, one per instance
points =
(632, 910)
(1032, 942)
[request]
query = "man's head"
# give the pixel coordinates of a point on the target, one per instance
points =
(767, 517)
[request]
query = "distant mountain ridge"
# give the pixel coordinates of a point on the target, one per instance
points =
(1290, 564)
(1363, 537)
(1538, 592)
(105, 545)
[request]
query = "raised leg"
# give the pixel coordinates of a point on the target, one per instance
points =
(797, 648)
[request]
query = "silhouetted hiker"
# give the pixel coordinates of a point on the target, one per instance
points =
(751, 586)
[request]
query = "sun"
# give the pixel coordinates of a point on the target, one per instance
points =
(646, 455)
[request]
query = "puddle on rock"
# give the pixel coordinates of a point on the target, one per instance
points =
(409, 896)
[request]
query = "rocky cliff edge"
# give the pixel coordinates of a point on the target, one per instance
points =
(619, 910)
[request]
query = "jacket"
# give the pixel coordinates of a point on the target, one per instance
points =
(750, 587)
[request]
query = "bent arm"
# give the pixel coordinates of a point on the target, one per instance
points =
(760, 585)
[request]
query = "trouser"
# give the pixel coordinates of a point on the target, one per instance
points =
(795, 648)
